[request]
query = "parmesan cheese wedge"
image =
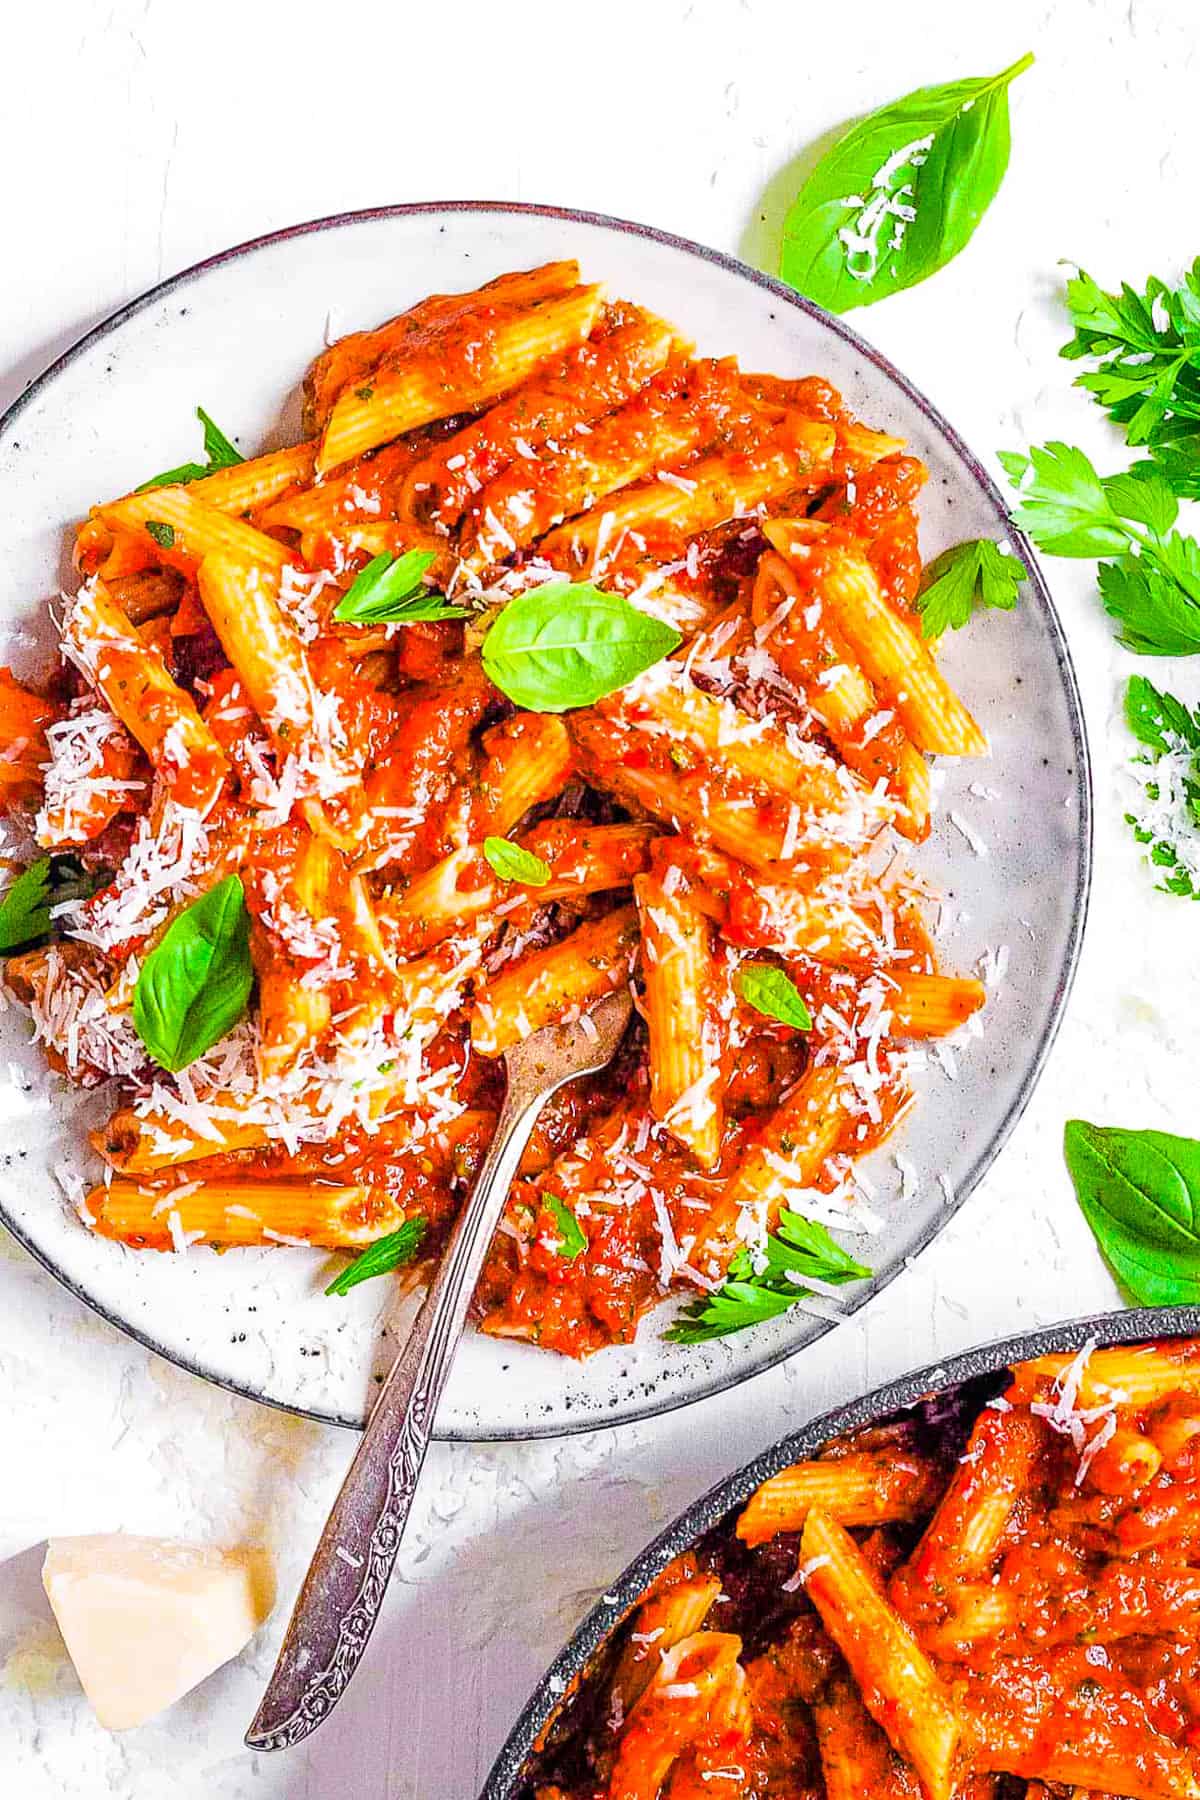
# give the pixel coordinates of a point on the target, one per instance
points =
(145, 1619)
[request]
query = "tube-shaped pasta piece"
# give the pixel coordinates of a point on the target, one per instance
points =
(182, 530)
(153, 708)
(583, 859)
(292, 1015)
(900, 1688)
(89, 778)
(686, 1087)
(893, 655)
(544, 988)
(868, 737)
(788, 1155)
(722, 1755)
(857, 1761)
(864, 1487)
(672, 1712)
(673, 414)
(767, 833)
(139, 1143)
(663, 1619)
(698, 495)
(247, 486)
(929, 1006)
(349, 360)
(663, 703)
(528, 762)
(584, 383)
(263, 646)
(977, 1612)
(964, 1535)
(1133, 1376)
(775, 915)
(410, 389)
(229, 1210)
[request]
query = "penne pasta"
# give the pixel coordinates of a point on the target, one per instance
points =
(867, 1488)
(899, 1686)
(567, 978)
(410, 390)
(226, 1211)
(683, 1020)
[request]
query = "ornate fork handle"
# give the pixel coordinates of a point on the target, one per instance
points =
(344, 1588)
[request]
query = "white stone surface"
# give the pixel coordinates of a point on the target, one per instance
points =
(139, 137)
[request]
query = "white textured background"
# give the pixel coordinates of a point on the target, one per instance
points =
(138, 137)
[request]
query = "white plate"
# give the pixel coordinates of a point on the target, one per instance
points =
(235, 334)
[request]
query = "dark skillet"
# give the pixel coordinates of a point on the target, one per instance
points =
(939, 1401)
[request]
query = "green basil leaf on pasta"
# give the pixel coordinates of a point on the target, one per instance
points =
(568, 644)
(900, 194)
(221, 454)
(391, 590)
(195, 984)
(770, 991)
(380, 1258)
(513, 863)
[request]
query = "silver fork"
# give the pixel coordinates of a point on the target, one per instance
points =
(348, 1576)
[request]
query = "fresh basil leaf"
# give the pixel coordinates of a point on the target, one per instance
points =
(163, 535)
(380, 1258)
(1140, 1193)
(513, 863)
(28, 903)
(975, 574)
(390, 590)
(799, 1249)
(195, 984)
(567, 644)
(220, 452)
(769, 991)
(900, 194)
(571, 1239)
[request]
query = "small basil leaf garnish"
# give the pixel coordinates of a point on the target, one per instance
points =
(195, 984)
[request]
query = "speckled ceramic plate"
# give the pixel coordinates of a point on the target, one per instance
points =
(969, 1379)
(235, 334)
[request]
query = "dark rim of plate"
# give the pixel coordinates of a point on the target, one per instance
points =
(1139, 1325)
(651, 1406)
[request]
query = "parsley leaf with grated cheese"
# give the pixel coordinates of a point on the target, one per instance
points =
(221, 454)
(800, 1249)
(979, 573)
(1145, 348)
(1150, 577)
(1167, 820)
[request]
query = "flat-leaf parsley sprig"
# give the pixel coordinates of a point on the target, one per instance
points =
(977, 574)
(1145, 354)
(1167, 818)
(1149, 577)
(764, 1284)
